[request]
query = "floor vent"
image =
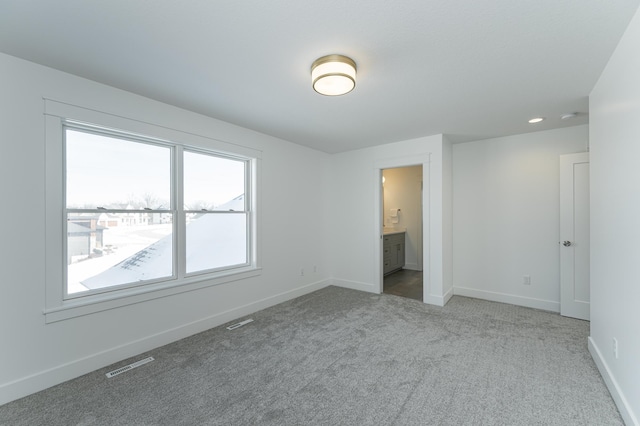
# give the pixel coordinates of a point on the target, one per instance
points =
(239, 324)
(121, 370)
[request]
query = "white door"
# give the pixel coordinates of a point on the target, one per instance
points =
(574, 235)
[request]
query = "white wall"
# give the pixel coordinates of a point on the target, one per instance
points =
(403, 190)
(355, 215)
(506, 216)
(615, 223)
(34, 355)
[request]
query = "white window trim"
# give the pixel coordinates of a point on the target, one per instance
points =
(56, 307)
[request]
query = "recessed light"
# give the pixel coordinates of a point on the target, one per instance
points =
(568, 116)
(536, 120)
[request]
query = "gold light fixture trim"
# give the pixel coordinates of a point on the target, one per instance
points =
(333, 75)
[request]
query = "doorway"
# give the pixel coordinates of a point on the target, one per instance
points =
(402, 231)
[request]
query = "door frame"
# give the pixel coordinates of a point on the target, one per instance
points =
(569, 306)
(423, 160)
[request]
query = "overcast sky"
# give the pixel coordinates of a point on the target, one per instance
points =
(102, 171)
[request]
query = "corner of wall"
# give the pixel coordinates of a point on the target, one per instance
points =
(626, 412)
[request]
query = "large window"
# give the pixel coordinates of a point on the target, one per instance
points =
(122, 206)
(143, 212)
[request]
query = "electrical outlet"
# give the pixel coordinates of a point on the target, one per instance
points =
(302, 272)
(615, 348)
(315, 269)
(526, 280)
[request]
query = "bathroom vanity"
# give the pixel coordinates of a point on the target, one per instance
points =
(393, 250)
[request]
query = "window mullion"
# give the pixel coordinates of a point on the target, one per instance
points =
(177, 199)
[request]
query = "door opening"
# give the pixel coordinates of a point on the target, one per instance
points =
(402, 231)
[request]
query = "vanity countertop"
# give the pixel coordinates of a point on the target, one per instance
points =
(389, 231)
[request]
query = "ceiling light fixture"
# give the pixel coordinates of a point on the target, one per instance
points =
(536, 120)
(333, 75)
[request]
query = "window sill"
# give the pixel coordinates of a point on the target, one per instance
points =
(102, 302)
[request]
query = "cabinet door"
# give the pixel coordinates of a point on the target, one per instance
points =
(401, 254)
(386, 256)
(393, 257)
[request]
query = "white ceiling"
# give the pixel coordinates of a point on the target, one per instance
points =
(469, 69)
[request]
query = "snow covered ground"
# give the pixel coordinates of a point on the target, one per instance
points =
(126, 240)
(144, 253)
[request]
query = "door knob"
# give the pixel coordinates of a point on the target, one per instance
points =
(566, 243)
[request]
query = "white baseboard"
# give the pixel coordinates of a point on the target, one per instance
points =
(630, 419)
(356, 285)
(431, 299)
(412, 267)
(447, 296)
(44, 379)
(529, 302)
(370, 288)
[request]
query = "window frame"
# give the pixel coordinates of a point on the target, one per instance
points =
(173, 191)
(59, 305)
(247, 211)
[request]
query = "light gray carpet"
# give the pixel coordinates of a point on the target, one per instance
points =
(342, 357)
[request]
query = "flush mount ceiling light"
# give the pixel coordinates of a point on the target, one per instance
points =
(536, 120)
(333, 75)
